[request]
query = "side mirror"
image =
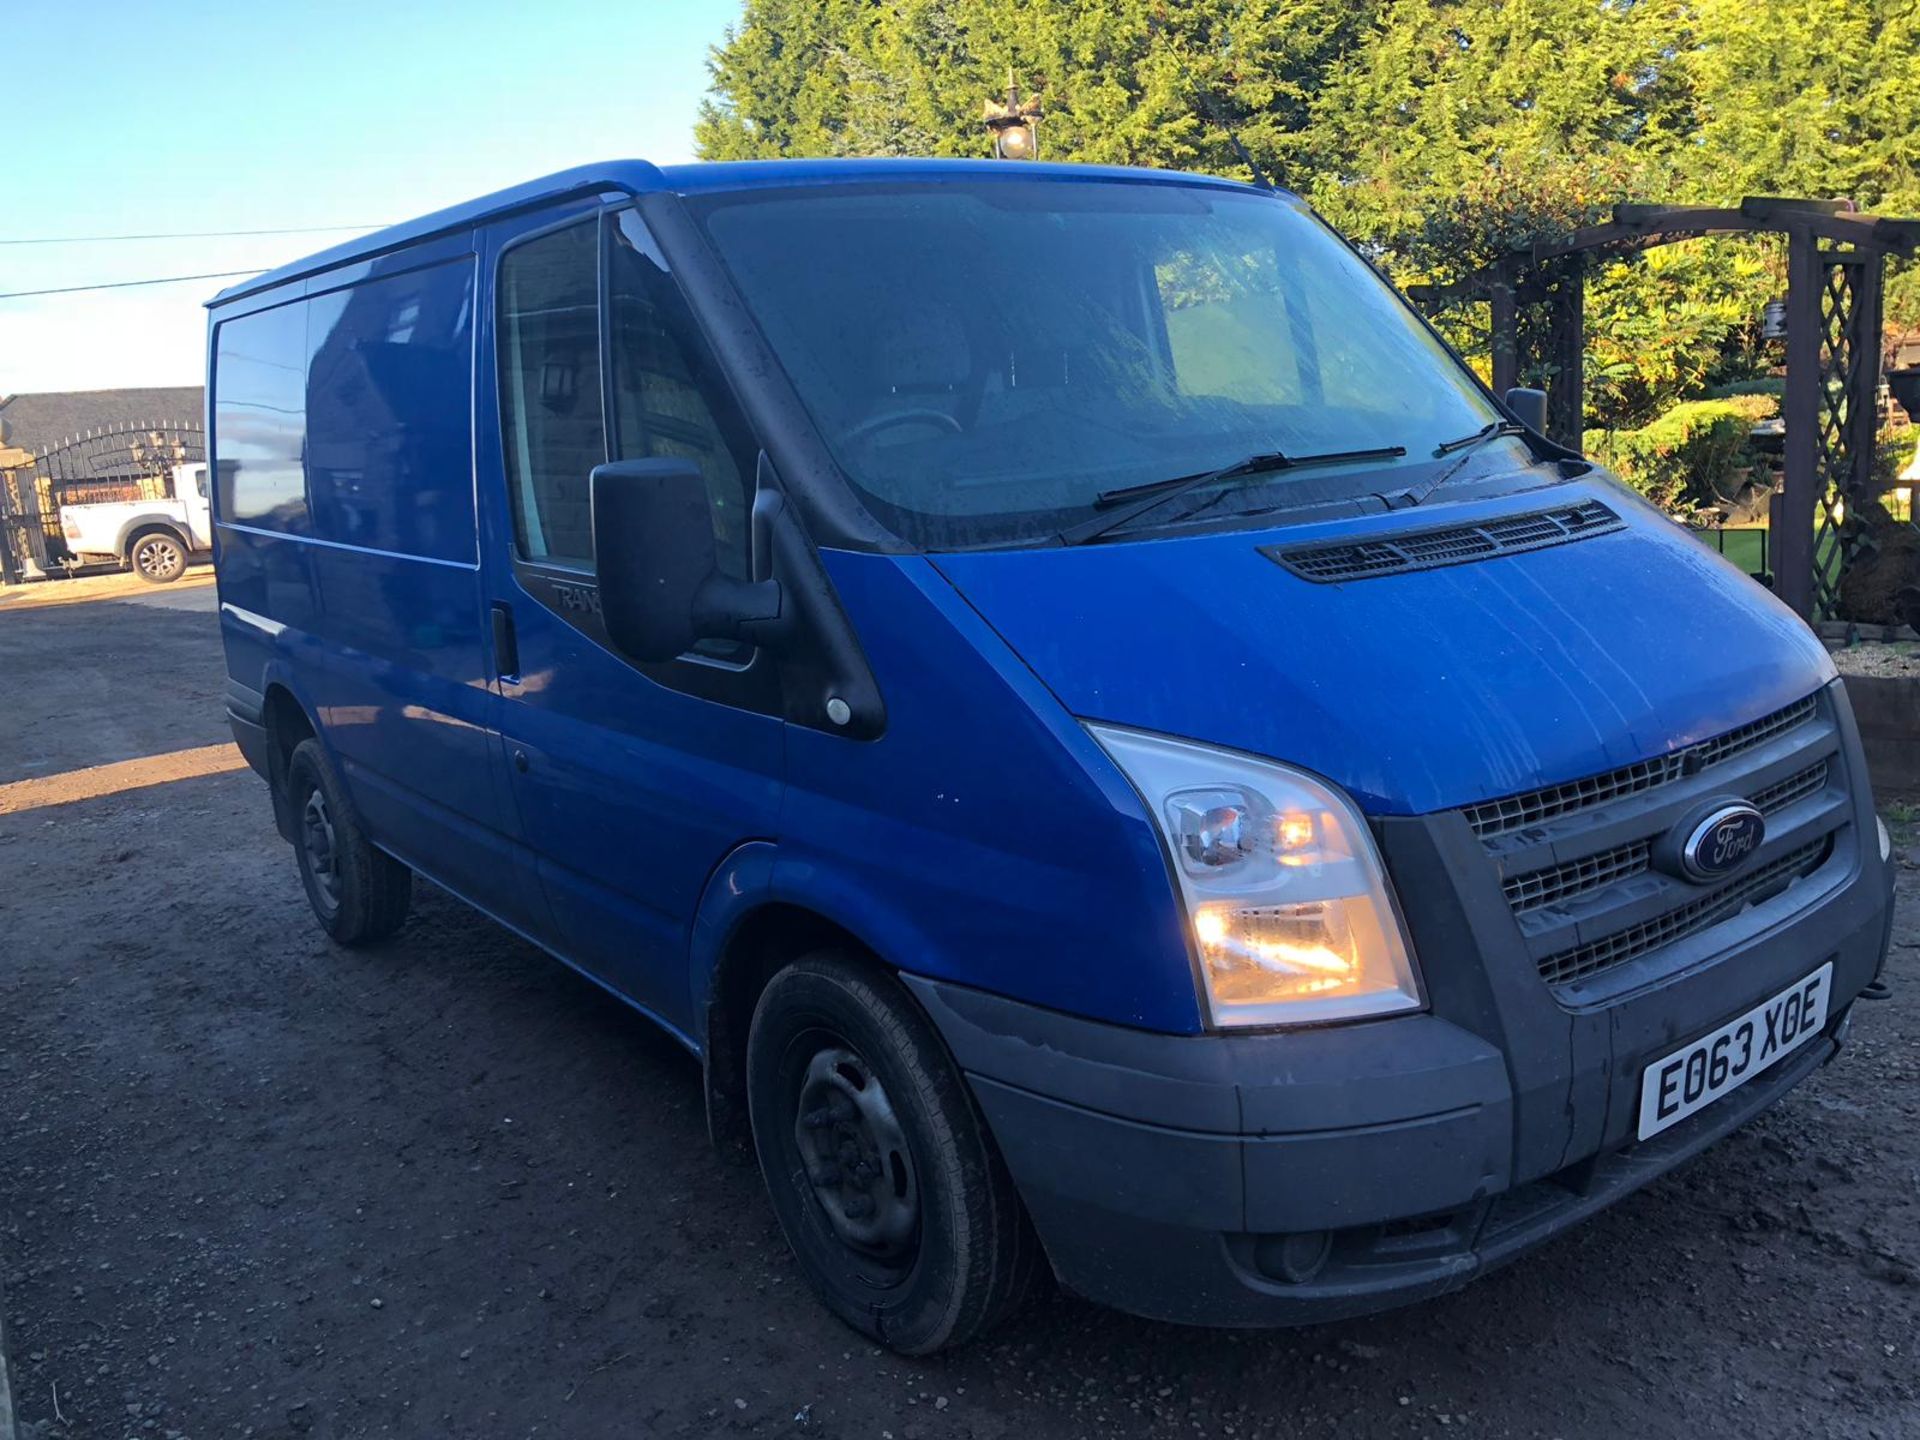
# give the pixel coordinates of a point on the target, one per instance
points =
(1529, 407)
(660, 591)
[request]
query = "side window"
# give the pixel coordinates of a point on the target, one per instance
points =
(669, 397)
(549, 326)
(260, 419)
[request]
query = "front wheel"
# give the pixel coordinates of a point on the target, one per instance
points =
(158, 557)
(881, 1171)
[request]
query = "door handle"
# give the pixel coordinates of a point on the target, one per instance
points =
(506, 644)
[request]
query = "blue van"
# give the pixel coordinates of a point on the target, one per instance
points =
(1121, 758)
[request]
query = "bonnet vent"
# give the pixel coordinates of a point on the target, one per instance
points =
(1456, 545)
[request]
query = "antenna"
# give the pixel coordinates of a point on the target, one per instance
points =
(1233, 139)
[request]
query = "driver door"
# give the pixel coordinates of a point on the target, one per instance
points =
(633, 781)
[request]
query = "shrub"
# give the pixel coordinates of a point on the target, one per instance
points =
(1773, 385)
(1691, 456)
(1893, 451)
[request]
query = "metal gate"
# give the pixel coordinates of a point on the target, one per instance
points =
(120, 462)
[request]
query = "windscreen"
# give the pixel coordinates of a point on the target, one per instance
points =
(985, 357)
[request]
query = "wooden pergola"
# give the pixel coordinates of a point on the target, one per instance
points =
(1836, 261)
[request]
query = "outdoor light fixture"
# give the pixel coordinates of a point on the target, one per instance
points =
(1014, 123)
(1773, 320)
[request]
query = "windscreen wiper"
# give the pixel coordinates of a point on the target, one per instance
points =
(1155, 493)
(1492, 430)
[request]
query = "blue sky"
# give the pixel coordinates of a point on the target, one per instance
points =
(271, 113)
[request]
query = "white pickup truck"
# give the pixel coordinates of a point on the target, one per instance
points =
(155, 538)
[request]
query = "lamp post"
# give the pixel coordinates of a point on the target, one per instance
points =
(1014, 124)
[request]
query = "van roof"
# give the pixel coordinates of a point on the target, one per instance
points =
(639, 177)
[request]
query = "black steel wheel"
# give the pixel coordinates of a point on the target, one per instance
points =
(857, 1155)
(359, 893)
(320, 858)
(881, 1170)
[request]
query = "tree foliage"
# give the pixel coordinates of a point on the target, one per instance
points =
(1437, 133)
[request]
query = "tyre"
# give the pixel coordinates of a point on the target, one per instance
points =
(880, 1168)
(359, 894)
(158, 557)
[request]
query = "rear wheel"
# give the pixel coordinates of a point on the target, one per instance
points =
(359, 893)
(158, 557)
(882, 1173)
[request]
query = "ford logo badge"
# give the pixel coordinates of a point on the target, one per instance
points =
(1722, 841)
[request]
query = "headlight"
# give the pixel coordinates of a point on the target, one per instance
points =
(1285, 893)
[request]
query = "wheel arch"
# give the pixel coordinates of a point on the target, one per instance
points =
(287, 723)
(749, 928)
(141, 525)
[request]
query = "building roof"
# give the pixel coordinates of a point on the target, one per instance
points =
(35, 422)
(639, 177)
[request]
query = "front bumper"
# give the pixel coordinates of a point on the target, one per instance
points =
(1292, 1178)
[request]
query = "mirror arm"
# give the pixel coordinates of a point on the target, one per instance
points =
(754, 611)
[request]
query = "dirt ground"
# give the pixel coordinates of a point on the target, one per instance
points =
(252, 1185)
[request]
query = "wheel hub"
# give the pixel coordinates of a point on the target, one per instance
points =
(856, 1155)
(155, 557)
(316, 831)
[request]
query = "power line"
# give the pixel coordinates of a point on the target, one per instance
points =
(182, 235)
(126, 284)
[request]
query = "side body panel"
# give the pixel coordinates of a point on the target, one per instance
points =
(983, 838)
(104, 528)
(348, 554)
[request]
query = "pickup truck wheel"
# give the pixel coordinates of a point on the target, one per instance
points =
(359, 893)
(158, 557)
(881, 1171)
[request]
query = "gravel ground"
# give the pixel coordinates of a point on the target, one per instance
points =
(252, 1185)
(1877, 657)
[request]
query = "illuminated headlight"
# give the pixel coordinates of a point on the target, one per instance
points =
(1285, 894)
(1886, 840)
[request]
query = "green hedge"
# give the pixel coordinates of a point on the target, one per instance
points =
(1772, 385)
(1688, 458)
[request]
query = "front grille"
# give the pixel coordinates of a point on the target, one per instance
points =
(1539, 888)
(1455, 545)
(1593, 872)
(1574, 862)
(1515, 812)
(1796, 787)
(1637, 940)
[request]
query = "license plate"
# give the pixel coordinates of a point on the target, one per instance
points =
(1695, 1076)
